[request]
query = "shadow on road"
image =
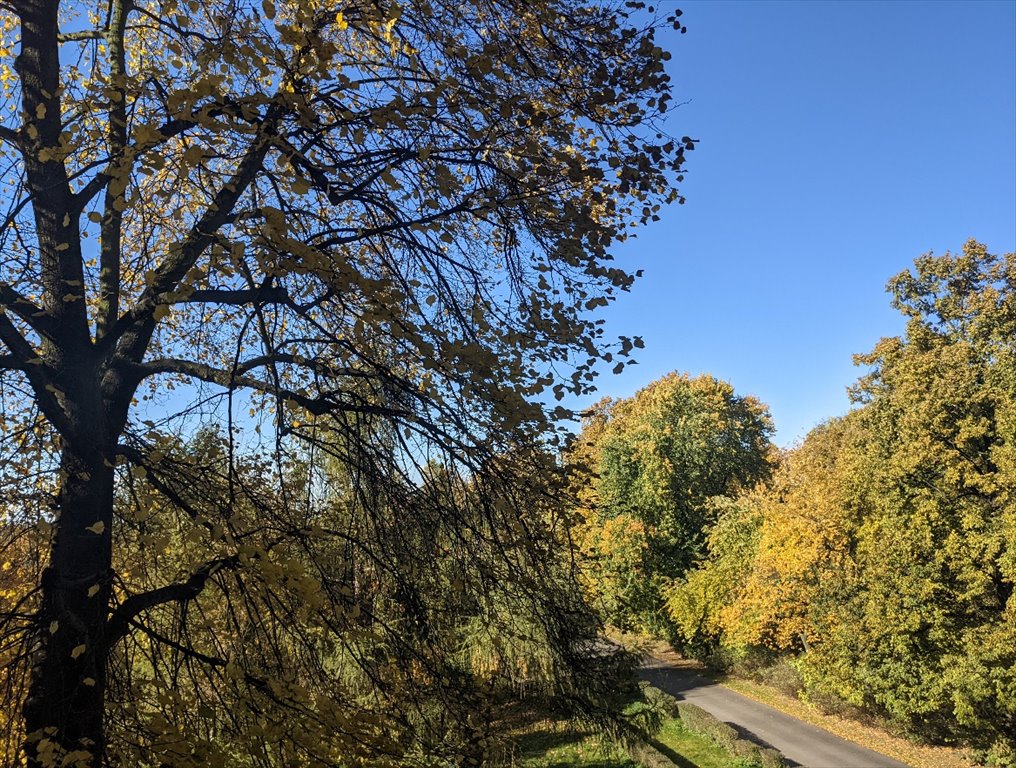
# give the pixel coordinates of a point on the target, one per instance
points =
(751, 736)
(678, 681)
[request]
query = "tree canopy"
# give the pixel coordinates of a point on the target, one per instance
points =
(661, 463)
(882, 554)
(370, 232)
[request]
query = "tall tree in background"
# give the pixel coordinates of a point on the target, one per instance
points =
(375, 218)
(662, 461)
(774, 550)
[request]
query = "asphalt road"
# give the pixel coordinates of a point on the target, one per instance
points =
(802, 743)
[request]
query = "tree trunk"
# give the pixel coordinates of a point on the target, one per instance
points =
(64, 709)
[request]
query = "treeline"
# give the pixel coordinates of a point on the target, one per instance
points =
(875, 562)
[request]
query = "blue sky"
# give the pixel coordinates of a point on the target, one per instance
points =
(838, 141)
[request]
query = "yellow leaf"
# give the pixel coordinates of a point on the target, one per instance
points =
(93, 590)
(340, 22)
(78, 650)
(97, 528)
(89, 681)
(53, 626)
(40, 111)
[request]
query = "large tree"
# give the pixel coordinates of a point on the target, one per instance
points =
(663, 461)
(379, 219)
(883, 554)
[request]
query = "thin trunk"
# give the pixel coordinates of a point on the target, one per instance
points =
(64, 709)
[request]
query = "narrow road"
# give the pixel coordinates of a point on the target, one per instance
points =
(802, 743)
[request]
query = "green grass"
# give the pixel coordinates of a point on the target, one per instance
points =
(550, 744)
(558, 744)
(691, 750)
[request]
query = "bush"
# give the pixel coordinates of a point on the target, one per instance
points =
(750, 753)
(1002, 754)
(783, 675)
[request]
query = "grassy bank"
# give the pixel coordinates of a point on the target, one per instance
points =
(687, 748)
(543, 742)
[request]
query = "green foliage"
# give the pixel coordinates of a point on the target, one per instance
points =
(883, 550)
(696, 603)
(923, 631)
(663, 461)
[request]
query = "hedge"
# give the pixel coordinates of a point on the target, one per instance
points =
(697, 719)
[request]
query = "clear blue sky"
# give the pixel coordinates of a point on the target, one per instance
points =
(839, 140)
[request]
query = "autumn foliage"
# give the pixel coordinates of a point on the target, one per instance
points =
(652, 472)
(881, 559)
(264, 266)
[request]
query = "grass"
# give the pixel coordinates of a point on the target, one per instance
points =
(691, 750)
(560, 744)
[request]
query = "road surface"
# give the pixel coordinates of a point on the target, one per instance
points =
(801, 743)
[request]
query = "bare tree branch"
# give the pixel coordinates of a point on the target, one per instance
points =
(84, 34)
(139, 319)
(134, 605)
(251, 296)
(36, 317)
(40, 376)
(323, 404)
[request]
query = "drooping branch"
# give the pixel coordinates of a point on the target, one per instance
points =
(140, 460)
(170, 643)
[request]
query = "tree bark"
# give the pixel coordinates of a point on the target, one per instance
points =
(64, 709)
